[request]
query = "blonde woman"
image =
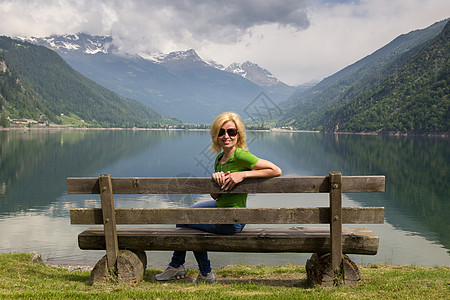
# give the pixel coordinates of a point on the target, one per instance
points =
(233, 164)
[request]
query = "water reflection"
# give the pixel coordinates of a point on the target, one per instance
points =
(34, 205)
(34, 165)
(416, 170)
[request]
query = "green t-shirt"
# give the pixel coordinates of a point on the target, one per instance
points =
(241, 160)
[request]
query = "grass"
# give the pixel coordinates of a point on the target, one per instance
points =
(22, 279)
(72, 120)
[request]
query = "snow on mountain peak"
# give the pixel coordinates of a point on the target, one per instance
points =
(188, 55)
(88, 44)
(75, 42)
(216, 65)
(254, 73)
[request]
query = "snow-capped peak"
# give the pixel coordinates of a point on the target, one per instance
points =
(188, 55)
(216, 65)
(254, 73)
(75, 42)
(156, 57)
(85, 43)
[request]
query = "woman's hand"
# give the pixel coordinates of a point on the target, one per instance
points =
(219, 177)
(262, 169)
(228, 180)
(231, 179)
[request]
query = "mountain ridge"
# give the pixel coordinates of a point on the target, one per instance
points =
(179, 84)
(412, 99)
(37, 83)
(310, 109)
(89, 44)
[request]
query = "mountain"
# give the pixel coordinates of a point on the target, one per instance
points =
(254, 73)
(179, 84)
(75, 42)
(414, 98)
(37, 83)
(262, 77)
(313, 108)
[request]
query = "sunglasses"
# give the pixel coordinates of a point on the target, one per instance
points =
(232, 132)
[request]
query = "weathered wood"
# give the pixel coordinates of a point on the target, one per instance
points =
(356, 240)
(297, 215)
(109, 219)
(319, 271)
(205, 185)
(130, 268)
(99, 273)
(363, 184)
(336, 220)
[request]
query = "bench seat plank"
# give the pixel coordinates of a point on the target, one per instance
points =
(356, 240)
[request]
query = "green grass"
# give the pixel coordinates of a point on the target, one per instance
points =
(72, 120)
(22, 279)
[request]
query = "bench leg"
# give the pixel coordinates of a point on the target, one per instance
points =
(320, 271)
(130, 268)
(336, 224)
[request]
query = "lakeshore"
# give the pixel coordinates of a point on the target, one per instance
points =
(276, 130)
(21, 278)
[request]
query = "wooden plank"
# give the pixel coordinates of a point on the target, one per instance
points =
(109, 218)
(297, 215)
(82, 185)
(205, 185)
(294, 239)
(336, 220)
(363, 184)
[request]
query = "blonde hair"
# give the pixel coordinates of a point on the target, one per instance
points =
(218, 123)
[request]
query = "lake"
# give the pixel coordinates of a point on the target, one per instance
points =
(34, 204)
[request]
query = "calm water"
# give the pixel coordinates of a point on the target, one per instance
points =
(34, 205)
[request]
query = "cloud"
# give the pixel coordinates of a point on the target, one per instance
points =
(339, 34)
(166, 25)
(297, 40)
(183, 21)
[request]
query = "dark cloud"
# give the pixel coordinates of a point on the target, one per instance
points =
(207, 20)
(228, 20)
(162, 22)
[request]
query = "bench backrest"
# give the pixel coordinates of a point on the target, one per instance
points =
(204, 185)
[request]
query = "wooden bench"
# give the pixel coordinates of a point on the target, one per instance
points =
(125, 246)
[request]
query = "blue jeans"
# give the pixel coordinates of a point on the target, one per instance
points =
(204, 264)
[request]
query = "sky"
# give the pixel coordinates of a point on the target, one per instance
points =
(298, 41)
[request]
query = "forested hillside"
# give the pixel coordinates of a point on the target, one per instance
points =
(17, 100)
(36, 83)
(414, 98)
(313, 108)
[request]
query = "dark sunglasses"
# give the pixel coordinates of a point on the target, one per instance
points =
(231, 132)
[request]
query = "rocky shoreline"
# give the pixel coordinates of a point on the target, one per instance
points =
(37, 258)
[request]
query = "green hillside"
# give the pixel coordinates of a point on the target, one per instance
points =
(36, 83)
(320, 107)
(414, 98)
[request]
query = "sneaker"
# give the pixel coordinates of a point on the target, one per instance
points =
(172, 273)
(209, 278)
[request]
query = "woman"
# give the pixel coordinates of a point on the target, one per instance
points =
(232, 165)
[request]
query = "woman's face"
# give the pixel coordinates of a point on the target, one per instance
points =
(227, 140)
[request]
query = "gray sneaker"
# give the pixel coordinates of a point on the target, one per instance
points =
(209, 278)
(172, 273)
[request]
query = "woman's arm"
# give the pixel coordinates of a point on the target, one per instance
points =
(262, 169)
